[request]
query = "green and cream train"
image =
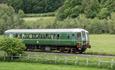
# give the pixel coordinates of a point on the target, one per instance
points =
(63, 40)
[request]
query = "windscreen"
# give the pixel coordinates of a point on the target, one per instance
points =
(83, 36)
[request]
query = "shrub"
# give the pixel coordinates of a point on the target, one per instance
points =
(12, 46)
(21, 13)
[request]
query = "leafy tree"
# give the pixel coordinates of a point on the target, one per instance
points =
(91, 8)
(11, 46)
(21, 13)
(36, 6)
(8, 18)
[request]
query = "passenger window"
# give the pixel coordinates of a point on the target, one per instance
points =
(30, 36)
(58, 36)
(68, 37)
(73, 35)
(11, 35)
(37, 36)
(34, 36)
(16, 35)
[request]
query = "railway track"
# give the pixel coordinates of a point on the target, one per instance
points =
(77, 54)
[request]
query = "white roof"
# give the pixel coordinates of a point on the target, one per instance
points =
(43, 30)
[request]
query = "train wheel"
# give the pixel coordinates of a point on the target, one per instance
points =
(81, 50)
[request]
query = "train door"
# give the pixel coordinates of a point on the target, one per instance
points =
(79, 36)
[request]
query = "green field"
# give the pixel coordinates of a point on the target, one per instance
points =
(37, 66)
(102, 43)
(29, 19)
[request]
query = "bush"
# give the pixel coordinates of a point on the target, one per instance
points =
(21, 13)
(94, 26)
(12, 46)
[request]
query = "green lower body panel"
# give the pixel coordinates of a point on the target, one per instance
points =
(56, 42)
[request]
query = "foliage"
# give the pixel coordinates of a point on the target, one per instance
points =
(91, 8)
(11, 46)
(8, 18)
(39, 22)
(21, 13)
(94, 26)
(36, 6)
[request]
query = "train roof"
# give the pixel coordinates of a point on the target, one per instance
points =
(43, 30)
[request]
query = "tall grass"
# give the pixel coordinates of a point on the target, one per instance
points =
(37, 66)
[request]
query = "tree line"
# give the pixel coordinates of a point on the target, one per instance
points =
(91, 8)
(35, 6)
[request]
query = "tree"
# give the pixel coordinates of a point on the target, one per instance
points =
(8, 18)
(11, 46)
(36, 6)
(91, 8)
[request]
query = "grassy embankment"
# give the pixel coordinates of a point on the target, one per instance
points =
(37, 66)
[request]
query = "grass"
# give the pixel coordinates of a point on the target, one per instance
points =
(40, 14)
(28, 19)
(102, 44)
(37, 66)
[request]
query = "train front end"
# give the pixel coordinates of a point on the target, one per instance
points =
(83, 41)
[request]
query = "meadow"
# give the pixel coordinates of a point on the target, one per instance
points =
(102, 44)
(37, 66)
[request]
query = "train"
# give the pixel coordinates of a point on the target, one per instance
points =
(63, 40)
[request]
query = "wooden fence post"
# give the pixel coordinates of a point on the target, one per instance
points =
(20, 56)
(76, 60)
(87, 61)
(99, 62)
(4, 57)
(12, 57)
(112, 63)
(28, 57)
(55, 59)
(65, 60)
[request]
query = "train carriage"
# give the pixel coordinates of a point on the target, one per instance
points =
(69, 40)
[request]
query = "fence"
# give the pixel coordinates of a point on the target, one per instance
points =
(74, 60)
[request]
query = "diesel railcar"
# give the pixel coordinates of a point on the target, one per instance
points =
(69, 40)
